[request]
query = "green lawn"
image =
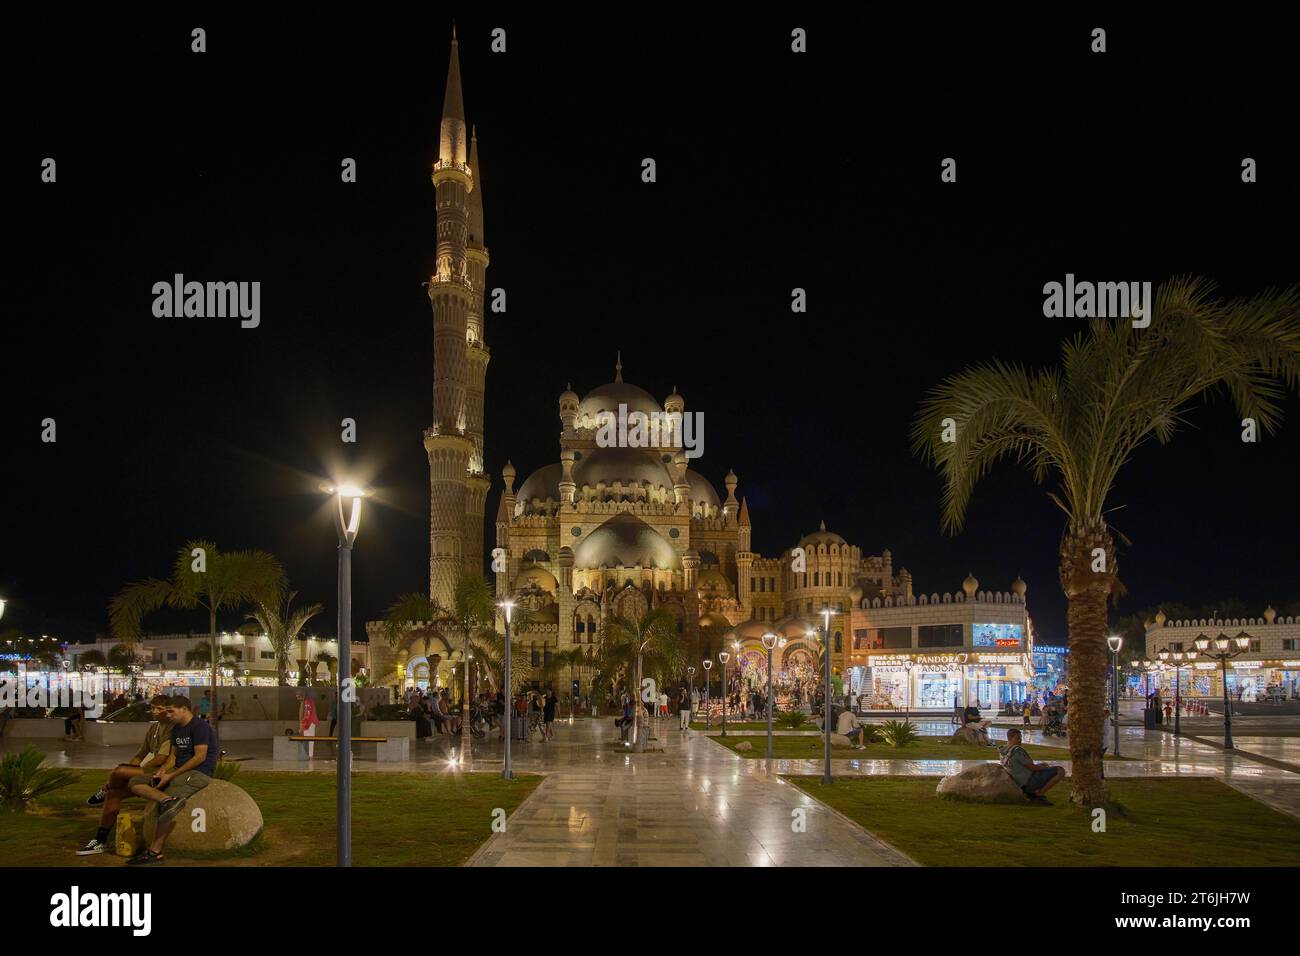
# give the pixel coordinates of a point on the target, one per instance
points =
(927, 748)
(716, 726)
(1159, 822)
(398, 819)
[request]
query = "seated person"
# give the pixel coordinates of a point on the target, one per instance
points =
(188, 769)
(1035, 779)
(850, 726)
(971, 715)
(153, 753)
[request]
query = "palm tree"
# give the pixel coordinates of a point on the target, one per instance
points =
(282, 624)
(92, 658)
(121, 658)
(1117, 388)
(228, 581)
(650, 640)
(471, 617)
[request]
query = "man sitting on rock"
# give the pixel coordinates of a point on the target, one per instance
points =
(189, 768)
(1035, 779)
(152, 754)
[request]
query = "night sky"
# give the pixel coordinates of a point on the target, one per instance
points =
(774, 171)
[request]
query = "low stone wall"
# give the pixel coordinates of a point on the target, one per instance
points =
(34, 727)
(116, 733)
(387, 728)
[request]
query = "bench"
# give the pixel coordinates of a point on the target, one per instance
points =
(387, 749)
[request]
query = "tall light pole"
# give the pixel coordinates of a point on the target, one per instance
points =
(907, 690)
(1177, 656)
(826, 689)
(962, 658)
(1223, 653)
(347, 528)
(769, 642)
(1115, 642)
(723, 657)
(708, 686)
(690, 691)
(508, 606)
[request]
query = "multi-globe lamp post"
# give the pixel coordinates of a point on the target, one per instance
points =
(826, 693)
(508, 607)
(769, 642)
(708, 687)
(723, 657)
(347, 525)
(1224, 652)
(1177, 657)
(1115, 642)
(690, 677)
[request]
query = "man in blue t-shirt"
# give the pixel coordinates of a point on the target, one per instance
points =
(188, 770)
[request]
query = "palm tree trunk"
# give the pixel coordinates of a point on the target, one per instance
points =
(1086, 591)
(464, 707)
(636, 707)
(212, 630)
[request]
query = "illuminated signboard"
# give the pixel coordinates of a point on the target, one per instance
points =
(998, 635)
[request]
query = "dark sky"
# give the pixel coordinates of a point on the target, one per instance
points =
(774, 171)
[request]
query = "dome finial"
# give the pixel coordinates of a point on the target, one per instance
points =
(618, 367)
(823, 525)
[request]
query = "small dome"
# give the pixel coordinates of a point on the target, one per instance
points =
(970, 585)
(509, 470)
(631, 466)
(607, 398)
(674, 402)
(855, 594)
(711, 579)
(1161, 618)
(702, 489)
(751, 630)
(1018, 586)
(791, 627)
(531, 574)
(625, 541)
(1270, 615)
(821, 536)
(569, 396)
(543, 483)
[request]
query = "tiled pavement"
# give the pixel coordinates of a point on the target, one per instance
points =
(694, 803)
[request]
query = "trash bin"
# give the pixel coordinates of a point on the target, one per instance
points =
(1151, 718)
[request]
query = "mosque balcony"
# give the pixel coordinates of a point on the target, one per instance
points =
(448, 279)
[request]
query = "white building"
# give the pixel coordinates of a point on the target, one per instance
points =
(1270, 668)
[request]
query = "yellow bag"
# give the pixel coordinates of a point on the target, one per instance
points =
(128, 838)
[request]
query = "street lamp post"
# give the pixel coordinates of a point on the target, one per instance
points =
(723, 657)
(1177, 656)
(347, 528)
(962, 658)
(769, 642)
(690, 690)
(1115, 642)
(508, 606)
(708, 686)
(826, 691)
(907, 690)
(1224, 652)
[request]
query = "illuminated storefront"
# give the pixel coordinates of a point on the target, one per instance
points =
(937, 682)
(1268, 671)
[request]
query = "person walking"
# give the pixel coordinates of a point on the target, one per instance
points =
(307, 720)
(548, 714)
(684, 710)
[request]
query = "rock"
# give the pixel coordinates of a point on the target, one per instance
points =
(744, 745)
(974, 734)
(839, 740)
(987, 783)
(231, 819)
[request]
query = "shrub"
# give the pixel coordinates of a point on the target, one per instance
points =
(899, 733)
(23, 779)
(226, 770)
(871, 734)
(791, 719)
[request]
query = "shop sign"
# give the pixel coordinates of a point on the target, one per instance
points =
(1050, 649)
(1245, 665)
(999, 658)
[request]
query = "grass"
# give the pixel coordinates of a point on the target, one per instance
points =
(926, 748)
(1158, 822)
(716, 726)
(398, 819)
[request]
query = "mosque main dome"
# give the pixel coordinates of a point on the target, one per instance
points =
(625, 541)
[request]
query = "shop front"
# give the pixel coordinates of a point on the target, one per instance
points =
(940, 682)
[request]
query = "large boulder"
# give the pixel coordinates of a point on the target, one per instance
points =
(744, 745)
(839, 740)
(230, 819)
(987, 783)
(974, 734)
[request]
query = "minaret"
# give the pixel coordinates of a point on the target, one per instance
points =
(451, 296)
(744, 560)
(476, 363)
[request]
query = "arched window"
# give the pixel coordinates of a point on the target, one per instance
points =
(839, 642)
(533, 655)
(582, 627)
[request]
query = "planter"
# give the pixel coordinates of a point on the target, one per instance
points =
(31, 727)
(113, 734)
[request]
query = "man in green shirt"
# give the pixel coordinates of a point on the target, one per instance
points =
(1035, 779)
(153, 753)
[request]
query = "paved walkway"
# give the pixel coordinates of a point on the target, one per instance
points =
(694, 803)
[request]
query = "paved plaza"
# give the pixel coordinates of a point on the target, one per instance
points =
(691, 802)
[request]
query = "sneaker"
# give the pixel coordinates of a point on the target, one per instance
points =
(92, 848)
(146, 858)
(96, 798)
(169, 808)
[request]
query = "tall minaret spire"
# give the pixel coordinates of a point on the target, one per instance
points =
(446, 441)
(476, 363)
(618, 367)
